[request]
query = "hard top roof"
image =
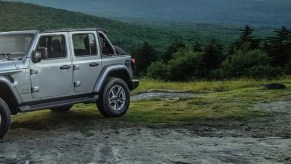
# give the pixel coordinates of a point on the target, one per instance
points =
(20, 32)
(72, 30)
(52, 31)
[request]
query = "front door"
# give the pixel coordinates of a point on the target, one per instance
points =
(52, 77)
(86, 60)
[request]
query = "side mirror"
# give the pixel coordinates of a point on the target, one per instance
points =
(44, 52)
(36, 57)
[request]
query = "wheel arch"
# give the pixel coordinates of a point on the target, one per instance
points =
(118, 71)
(9, 94)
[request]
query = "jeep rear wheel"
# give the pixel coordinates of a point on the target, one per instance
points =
(62, 108)
(114, 98)
(4, 118)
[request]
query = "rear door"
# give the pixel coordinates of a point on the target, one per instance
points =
(86, 60)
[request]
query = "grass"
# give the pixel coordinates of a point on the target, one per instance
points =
(219, 100)
(203, 86)
(232, 104)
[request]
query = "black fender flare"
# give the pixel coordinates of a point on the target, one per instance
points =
(104, 74)
(12, 88)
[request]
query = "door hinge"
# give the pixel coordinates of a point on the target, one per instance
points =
(33, 71)
(76, 67)
(77, 83)
(35, 89)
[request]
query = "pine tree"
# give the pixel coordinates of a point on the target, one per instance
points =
(144, 55)
(246, 34)
(213, 54)
(279, 47)
(246, 39)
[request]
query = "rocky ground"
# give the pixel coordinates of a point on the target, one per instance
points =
(263, 140)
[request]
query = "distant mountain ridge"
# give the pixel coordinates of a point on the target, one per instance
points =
(272, 13)
(23, 16)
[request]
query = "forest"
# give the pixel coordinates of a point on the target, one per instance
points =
(246, 57)
(200, 52)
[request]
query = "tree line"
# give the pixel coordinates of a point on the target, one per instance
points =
(248, 56)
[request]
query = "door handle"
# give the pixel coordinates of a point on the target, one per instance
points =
(65, 67)
(94, 64)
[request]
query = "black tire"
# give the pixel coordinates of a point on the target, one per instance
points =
(114, 98)
(62, 108)
(5, 118)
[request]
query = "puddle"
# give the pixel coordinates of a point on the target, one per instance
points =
(151, 95)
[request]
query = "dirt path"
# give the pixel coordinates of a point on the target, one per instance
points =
(264, 140)
(139, 145)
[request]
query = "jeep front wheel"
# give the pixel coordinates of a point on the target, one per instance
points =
(114, 98)
(4, 118)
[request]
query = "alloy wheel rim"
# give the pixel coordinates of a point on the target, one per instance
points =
(117, 98)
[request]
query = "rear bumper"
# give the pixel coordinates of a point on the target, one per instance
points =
(134, 84)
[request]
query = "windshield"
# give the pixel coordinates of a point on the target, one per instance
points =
(14, 45)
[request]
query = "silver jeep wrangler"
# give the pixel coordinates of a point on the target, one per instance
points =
(58, 68)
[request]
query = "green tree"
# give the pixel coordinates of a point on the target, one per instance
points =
(173, 48)
(197, 47)
(248, 37)
(158, 70)
(213, 56)
(185, 65)
(144, 55)
(242, 61)
(246, 40)
(279, 47)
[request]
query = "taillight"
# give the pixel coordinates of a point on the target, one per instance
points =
(133, 64)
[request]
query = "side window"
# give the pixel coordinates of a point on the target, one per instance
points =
(54, 45)
(84, 44)
(105, 45)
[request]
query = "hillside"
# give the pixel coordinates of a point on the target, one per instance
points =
(231, 12)
(22, 16)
